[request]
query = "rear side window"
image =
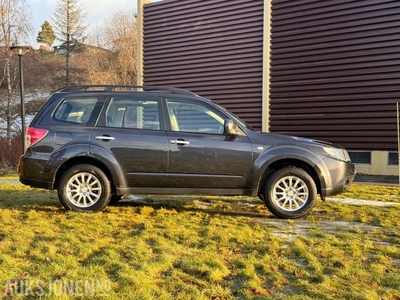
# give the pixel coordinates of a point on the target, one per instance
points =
(133, 113)
(76, 110)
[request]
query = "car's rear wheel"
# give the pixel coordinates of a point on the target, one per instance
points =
(290, 193)
(84, 188)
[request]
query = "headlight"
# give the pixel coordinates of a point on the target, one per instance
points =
(340, 154)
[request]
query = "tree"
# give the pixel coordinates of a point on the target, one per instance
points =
(120, 30)
(47, 35)
(112, 59)
(15, 27)
(68, 23)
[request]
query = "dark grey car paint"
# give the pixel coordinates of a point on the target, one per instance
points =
(164, 161)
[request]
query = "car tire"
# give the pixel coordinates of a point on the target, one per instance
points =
(290, 193)
(84, 188)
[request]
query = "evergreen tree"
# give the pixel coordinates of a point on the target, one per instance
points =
(68, 23)
(47, 35)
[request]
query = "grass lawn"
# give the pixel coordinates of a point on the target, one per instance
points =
(164, 247)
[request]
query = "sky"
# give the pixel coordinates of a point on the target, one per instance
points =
(96, 10)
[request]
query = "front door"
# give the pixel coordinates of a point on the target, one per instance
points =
(200, 154)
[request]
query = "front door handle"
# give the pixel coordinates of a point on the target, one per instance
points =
(179, 142)
(105, 138)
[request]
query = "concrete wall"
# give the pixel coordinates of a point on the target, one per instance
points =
(379, 165)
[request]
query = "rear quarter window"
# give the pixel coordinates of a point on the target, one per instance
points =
(76, 110)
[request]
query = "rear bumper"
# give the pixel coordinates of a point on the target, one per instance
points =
(30, 170)
(36, 183)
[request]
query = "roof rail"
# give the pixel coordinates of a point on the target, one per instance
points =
(121, 88)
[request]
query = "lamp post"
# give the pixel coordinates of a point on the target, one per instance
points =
(21, 51)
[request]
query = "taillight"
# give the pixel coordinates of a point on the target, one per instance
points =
(34, 135)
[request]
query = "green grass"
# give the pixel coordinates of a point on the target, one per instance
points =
(386, 193)
(167, 247)
(46, 55)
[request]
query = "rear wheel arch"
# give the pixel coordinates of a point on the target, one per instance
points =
(85, 161)
(84, 188)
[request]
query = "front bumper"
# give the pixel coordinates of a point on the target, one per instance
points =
(339, 176)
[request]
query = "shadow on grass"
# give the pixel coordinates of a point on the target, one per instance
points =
(211, 205)
(47, 201)
(25, 200)
(14, 196)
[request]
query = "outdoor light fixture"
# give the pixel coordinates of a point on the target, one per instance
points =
(21, 51)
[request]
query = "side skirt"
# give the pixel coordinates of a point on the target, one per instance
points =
(187, 191)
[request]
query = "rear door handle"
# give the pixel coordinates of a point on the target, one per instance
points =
(105, 138)
(179, 142)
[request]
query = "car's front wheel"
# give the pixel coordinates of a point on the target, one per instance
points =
(84, 188)
(290, 193)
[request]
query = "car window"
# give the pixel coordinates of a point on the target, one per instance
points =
(75, 110)
(194, 117)
(133, 113)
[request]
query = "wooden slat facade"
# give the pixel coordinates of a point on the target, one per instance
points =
(213, 48)
(334, 65)
(335, 71)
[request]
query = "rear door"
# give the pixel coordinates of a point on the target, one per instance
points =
(200, 154)
(133, 133)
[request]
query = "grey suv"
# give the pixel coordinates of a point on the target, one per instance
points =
(96, 143)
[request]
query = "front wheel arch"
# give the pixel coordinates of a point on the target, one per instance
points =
(285, 163)
(290, 192)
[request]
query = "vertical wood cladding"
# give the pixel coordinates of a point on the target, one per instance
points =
(335, 71)
(213, 48)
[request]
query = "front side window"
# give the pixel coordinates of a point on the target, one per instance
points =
(76, 110)
(133, 113)
(194, 117)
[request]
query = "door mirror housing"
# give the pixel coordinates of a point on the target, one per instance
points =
(230, 127)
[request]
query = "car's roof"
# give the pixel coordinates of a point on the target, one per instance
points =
(126, 88)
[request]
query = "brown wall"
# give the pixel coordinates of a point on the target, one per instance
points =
(335, 64)
(335, 72)
(213, 48)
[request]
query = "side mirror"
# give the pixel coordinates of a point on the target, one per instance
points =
(230, 127)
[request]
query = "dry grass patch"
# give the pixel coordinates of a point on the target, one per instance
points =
(195, 248)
